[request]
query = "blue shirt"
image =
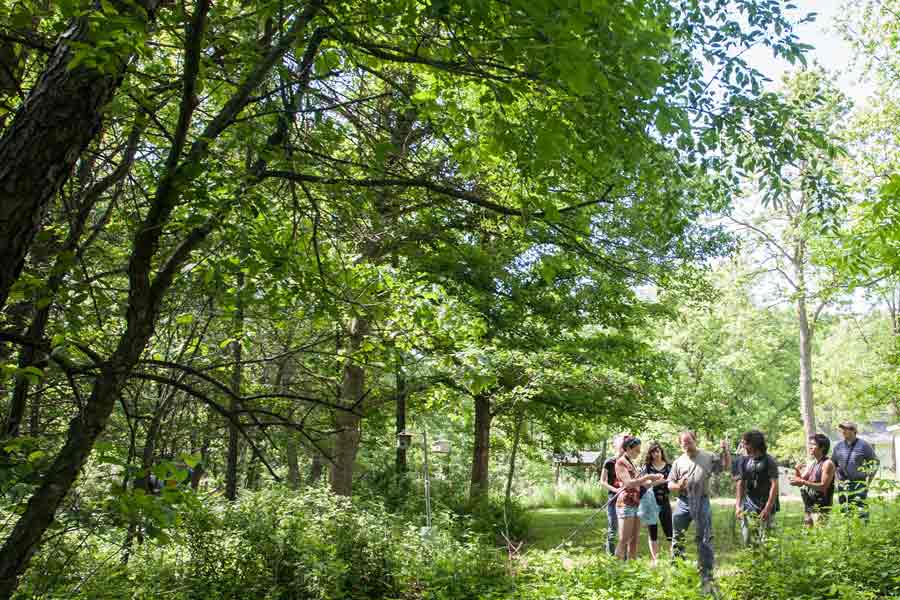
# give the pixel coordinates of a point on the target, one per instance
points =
(851, 459)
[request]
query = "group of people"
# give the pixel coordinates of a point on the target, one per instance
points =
(850, 467)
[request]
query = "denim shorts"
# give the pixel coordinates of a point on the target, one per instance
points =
(625, 512)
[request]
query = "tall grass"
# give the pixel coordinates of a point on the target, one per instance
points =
(577, 494)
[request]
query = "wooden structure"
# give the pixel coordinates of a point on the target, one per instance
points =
(590, 460)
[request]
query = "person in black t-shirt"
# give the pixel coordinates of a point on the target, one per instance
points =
(607, 482)
(757, 489)
(655, 462)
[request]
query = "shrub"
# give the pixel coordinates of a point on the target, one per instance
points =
(277, 544)
(590, 495)
(542, 496)
(580, 494)
(844, 558)
(596, 576)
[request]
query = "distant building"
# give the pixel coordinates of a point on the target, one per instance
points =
(880, 436)
(894, 431)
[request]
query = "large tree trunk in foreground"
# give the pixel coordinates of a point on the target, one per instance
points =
(481, 452)
(83, 432)
(30, 355)
(51, 129)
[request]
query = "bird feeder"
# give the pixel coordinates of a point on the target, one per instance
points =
(440, 447)
(404, 439)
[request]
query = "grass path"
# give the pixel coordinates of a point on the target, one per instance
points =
(550, 526)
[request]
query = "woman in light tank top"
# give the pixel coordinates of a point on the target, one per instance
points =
(816, 480)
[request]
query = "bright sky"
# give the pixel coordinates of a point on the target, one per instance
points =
(831, 51)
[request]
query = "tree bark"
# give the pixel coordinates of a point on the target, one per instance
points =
(285, 379)
(346, 443)
(807, 405)
(507, 502)
(30, 355)
(402, 392)
(481, 451)
(237, 376)
(316, 469)
(61, 115)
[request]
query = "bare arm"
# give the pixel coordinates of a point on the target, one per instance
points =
(627, 482)
(605, 485)
(738, 497)
(827, 478)
(770, 502)
(604, 480)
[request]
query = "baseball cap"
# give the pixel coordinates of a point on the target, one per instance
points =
(848, 425)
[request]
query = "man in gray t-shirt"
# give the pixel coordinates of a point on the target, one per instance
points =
(689, 478)
(856, 464)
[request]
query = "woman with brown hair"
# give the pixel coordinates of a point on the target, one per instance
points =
(628, 480)
(655, 463)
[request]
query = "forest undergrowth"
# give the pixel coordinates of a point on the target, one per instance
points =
(283, 544)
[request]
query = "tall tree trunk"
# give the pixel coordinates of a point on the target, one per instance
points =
(400, 461)
(83, 432)
(512, 462)
(60, 116)
(290, 450)
(31, 355)
(481, 451)
(237, 376)
(346, 443)
(316, 469)
(807, 406)
(284, 380)
(372, 251)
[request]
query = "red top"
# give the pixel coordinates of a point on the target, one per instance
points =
(630, 496)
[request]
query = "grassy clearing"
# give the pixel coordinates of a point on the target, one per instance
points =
(550, 526)
(579, 494)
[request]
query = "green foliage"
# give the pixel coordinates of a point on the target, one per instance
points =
(558, 574)
(734, 363)
(578, 494)
(845, 559)
(478, 192)
(277, 544)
